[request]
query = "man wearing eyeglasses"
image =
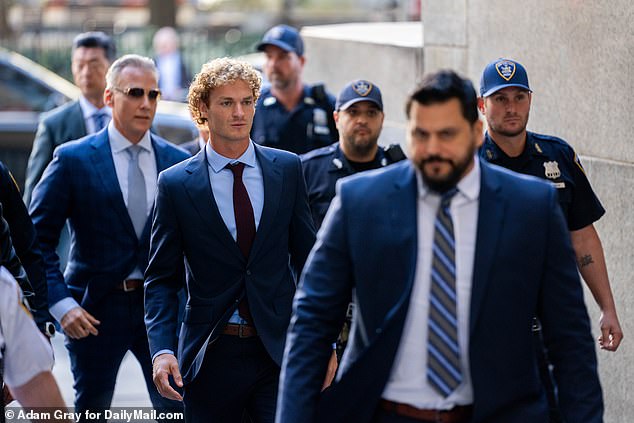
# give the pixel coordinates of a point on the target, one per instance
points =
(104, 185)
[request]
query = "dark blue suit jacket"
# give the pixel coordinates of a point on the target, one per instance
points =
(187, 224)
(524, 267)
(81, 185)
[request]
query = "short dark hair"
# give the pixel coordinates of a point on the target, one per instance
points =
(442, 86)
(96, 39)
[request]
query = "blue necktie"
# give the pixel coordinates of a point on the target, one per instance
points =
(443, 351)
(137, 197)
(100, 120)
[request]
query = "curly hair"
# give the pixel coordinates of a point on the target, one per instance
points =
(217, 73)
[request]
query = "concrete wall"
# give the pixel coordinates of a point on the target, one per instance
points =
(579, 57)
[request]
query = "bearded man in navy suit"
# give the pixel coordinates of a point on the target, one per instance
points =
(104, 185)
(234, 223)
(447, 267)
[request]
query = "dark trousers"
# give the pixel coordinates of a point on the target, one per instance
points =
(237, 381)
(95, 360)
(546, 375)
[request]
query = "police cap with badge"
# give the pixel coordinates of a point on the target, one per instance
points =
(503, 73)
(285, 37)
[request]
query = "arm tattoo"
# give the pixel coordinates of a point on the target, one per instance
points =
(585, 260)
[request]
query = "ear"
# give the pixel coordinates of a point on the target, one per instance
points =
(478, 132)
(108, 97)
(335, 115)
(481, 107)
(202, 107)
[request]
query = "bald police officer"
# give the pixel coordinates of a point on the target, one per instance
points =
(505, 100)
(359, 117)
(291, 115)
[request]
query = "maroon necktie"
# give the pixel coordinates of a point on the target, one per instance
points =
(245, 225)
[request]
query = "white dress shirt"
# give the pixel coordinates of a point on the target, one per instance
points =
(408, 381)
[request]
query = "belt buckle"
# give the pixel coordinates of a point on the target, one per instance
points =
(240, 333)
(125, 286)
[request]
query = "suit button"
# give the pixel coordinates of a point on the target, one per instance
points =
(378, 331)
(248, 272)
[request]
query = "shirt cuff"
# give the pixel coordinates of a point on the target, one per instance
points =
(161, 352)
(60, 308)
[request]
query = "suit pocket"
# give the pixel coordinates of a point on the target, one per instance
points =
(199, 314)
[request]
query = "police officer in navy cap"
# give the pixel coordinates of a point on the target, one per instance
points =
(505, 100)
(359, 117)
(291, 115)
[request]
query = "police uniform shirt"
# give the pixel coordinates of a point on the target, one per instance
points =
(554, 160)
(23, 350)
(322, 168)
(305, 128)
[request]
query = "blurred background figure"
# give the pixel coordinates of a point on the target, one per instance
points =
(174, 76)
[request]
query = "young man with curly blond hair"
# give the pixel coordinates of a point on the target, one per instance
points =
(232, 224)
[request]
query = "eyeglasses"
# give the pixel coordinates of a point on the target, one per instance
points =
(140, 92)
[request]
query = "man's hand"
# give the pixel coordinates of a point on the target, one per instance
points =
(165, 365)
(332, 370)
(78, 323)
(611, 334)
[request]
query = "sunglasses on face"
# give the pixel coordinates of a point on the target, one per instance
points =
(140, 92)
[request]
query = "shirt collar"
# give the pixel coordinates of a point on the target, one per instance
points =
(468, 186)
(118, 142)
(89, 110)
(217, 162)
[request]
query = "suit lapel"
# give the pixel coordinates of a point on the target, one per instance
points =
(272, 181)
(104, 166)
(198, 189)
(491, 213)
(77, 129)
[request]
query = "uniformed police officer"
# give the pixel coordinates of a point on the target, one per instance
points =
(26, 358)
(505, 100)
(359, 117)
(289, 114)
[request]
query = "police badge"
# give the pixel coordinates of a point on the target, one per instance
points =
(506, 69)
(363, 88)
(552, 170)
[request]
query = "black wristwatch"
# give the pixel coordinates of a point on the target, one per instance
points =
(49, 329)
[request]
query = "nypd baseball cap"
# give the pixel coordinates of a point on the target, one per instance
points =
(502, 73)
(285, 37)
(356, 91)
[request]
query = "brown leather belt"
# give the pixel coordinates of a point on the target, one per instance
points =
(129, 285)
(241, 331)
(458, 414)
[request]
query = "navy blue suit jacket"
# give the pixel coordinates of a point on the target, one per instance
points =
(524, 267)
(81, 185)
(187, 224)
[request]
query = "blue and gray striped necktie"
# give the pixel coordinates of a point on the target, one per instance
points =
(443, 351)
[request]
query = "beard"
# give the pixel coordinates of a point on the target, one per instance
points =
(441, 184)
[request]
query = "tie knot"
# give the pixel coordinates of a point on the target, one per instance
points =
(100, 119)
(133, 151)
(446, 197)
(236, 168)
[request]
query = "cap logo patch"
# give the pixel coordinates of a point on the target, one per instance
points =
(276, 32)
(363, 88)
(505, 69)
